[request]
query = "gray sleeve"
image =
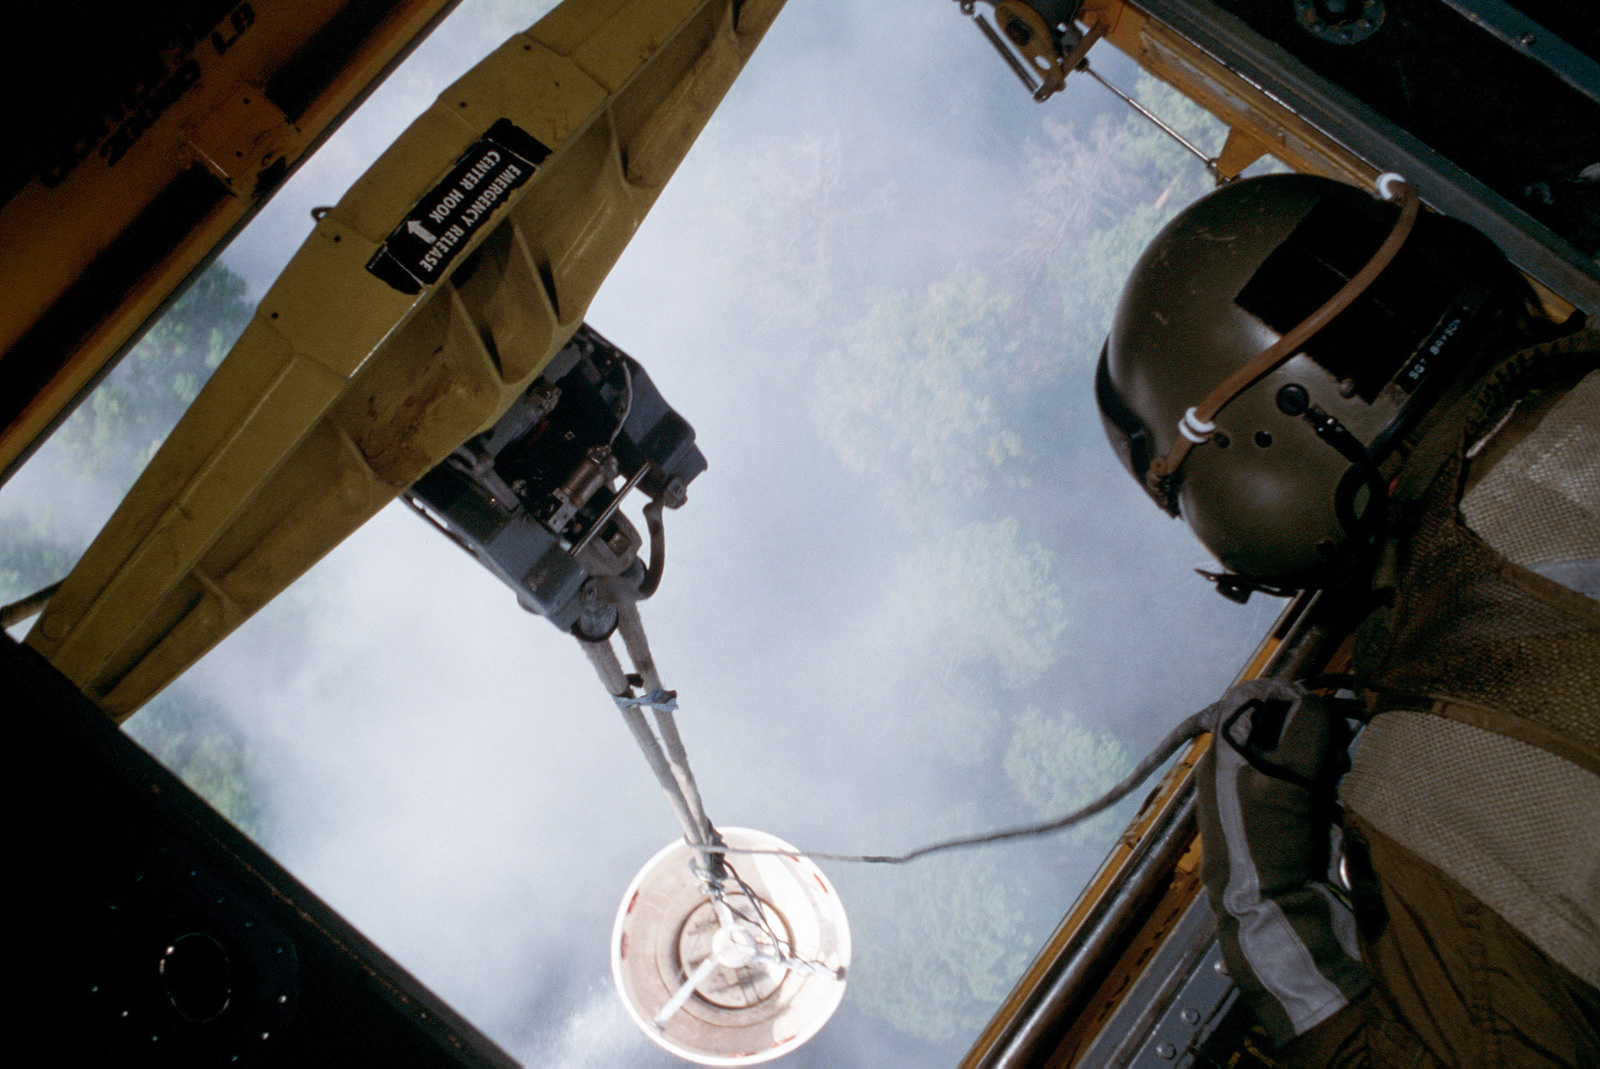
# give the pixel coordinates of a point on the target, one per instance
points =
(1288, 937)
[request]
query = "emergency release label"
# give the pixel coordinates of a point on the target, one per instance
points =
(439, 225)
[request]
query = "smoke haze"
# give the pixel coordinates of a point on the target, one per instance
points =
(896, 608)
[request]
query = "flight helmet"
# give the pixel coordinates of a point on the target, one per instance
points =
(1276, 345)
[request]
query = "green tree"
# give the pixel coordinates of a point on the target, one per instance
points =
(1092, 202)
(963, 403)
(940, 946)
(983, 593)
(103, 446)
(977, 384)
(192, 736)
(806, 203)
(1075, 186)
(30, 557)
(909, 400)
(1056, 764)
(119, 427)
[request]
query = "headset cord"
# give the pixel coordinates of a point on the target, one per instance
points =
(1193, 726)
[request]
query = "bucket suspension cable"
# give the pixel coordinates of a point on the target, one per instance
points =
(664, 752)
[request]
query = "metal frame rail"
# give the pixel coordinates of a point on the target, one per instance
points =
(1531, 245)
(1077, 989)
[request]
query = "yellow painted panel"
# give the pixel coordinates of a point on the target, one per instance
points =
(564, 30)
(98, 215)
(344, 390)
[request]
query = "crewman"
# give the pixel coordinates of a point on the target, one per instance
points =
(1343, 390)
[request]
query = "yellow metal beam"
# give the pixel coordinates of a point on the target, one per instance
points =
(368, 362)
(1224, 92)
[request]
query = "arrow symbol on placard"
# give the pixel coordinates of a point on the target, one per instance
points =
(420, 231)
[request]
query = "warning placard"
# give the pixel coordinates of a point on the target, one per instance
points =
(439, 225)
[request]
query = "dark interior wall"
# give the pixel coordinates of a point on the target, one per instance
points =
(150, 926)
